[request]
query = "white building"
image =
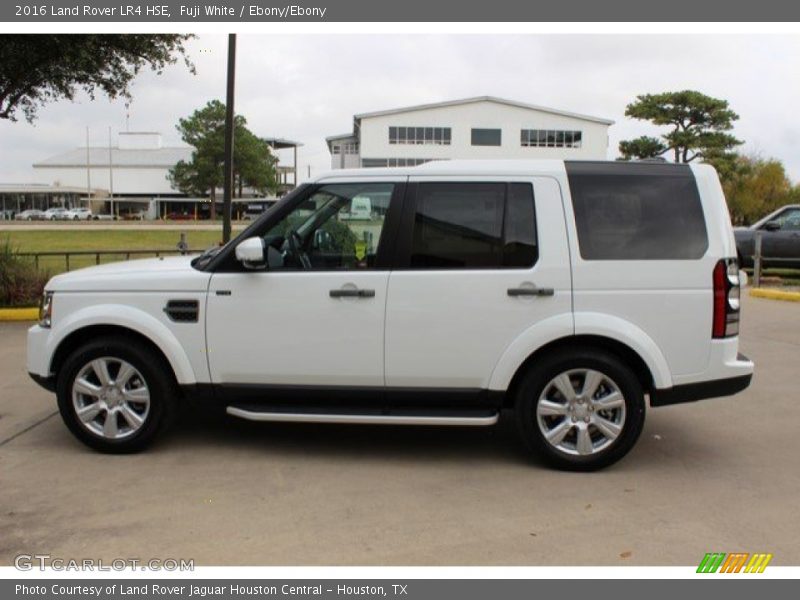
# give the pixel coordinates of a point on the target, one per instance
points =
(482, 127)
(134, 175)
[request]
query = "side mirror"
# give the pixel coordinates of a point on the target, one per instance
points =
(772, 225)
(250, 253)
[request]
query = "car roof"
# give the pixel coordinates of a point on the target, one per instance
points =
(517, 168)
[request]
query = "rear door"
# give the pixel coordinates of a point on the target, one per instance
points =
(479, 261)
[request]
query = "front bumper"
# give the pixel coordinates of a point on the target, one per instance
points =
(48, 383)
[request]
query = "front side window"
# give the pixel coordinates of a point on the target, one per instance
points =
(474, 226)
(789, 220)
(337, 228)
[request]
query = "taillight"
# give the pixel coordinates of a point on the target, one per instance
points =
(726, 299)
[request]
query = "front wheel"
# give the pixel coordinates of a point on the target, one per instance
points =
(581, 410)
(115, 395)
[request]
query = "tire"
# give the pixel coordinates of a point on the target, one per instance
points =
(588, 436)
(136, 422)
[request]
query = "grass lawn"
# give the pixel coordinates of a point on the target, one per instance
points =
(103, 239)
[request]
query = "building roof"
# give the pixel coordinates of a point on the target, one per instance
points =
(281, 143)
(155, 158)
(341, 136)
(141, 158)
(43, 188)
(494, 99)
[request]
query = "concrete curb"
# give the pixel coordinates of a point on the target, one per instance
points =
(19, 314)
(773, 294)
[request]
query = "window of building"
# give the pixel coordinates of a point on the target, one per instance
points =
(550, 138)
(486, 137)
(474, 226)
(440, 136)
(346, 148)
(637, 212)
(393, 162)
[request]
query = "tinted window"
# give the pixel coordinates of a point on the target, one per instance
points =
(486, 137)
(474, 225)
(634, 211)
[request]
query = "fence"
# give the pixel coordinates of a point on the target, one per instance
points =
(97, 254)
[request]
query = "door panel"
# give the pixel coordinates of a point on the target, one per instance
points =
(316, 317)
(447, 327)
(285, 328)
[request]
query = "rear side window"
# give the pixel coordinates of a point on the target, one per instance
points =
(474, 226)
(627, 211)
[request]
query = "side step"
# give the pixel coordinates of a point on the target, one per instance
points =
(456, 418)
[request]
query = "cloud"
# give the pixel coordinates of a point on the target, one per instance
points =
(305, 87)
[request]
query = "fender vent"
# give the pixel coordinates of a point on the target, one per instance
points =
(182, 311)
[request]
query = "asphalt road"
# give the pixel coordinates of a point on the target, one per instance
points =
(720, 475)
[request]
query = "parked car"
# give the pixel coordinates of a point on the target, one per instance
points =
(103, 217)
(78, 214)
(180, 216)
(134, 215)
(780, 239)
(31, 214)
(570, 292)
(57, 213)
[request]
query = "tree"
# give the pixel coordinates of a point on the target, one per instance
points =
(755, 187)
(36, 69)
(254, 165)
(699, 126)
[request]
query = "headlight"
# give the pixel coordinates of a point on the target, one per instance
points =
(46, 309)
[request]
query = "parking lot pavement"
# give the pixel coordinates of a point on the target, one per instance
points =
(719, 475)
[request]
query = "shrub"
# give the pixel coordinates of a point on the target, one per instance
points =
(21, 284)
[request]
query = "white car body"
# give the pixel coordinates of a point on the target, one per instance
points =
(55, 214)
(78, 214)
(30, 215)
(422, 331)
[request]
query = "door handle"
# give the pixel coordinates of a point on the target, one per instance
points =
(351, 293)
(530, 291)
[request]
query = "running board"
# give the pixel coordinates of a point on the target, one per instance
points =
(482, 419)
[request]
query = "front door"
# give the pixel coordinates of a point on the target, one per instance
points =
(315, 316)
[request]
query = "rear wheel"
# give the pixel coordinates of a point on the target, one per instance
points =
(580, 410)
(115, 395)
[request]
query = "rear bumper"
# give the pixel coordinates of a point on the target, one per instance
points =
(741, 373)
(691, 392)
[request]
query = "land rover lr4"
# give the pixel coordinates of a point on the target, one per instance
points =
(570, 292)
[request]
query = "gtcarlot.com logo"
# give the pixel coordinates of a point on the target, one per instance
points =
(736, 562)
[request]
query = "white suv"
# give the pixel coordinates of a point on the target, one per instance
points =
(568, 291)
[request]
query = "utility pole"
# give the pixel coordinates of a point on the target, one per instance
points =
(110, 173)
(228, 190)
(88, 171)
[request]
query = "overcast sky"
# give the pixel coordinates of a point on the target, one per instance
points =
(306, 87)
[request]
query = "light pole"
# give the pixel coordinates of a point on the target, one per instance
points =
(228, 183)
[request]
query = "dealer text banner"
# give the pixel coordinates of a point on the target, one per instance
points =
(413, 589)
(255, 11)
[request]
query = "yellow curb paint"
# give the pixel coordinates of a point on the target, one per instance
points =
(19, 314)
(775, 294)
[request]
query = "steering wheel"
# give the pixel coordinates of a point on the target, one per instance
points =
(295, 247)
